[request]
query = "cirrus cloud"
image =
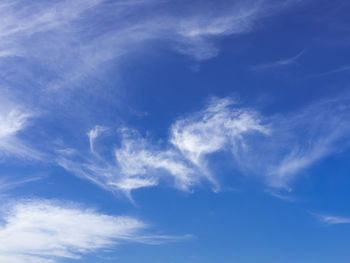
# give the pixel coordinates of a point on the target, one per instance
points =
(45, 231)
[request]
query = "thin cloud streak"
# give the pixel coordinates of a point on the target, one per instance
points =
(7, 184)
(332, 219)
(93, 134)
(337, 70)
(278, 63)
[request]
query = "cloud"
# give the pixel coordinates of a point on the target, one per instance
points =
(76, 41)
(277, 148)
(40, 16)
(218, 127)
(308, 136)
(14, 118)
(296, 141)
(93, 134)
(11, 122)
(330, 72)
(6, 184)
(137, 157)
(213, 128)
(139, 163)
(278, 63)
(196, 33)
(50, 48)
(44, 231)
(332, 220)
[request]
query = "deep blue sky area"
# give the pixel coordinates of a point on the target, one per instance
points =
(151, 131)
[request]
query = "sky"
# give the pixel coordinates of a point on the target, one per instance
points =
(174, 131)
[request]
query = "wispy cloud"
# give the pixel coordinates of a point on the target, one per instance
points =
(330, 72)
(218, 127)
(278, 63)
(13, 120)
(331, 219)
(7, 184)
(137, 157)
(73, 33)
(281, 195)
(93, 134)
(277, 148)
(45, 231)
(139, 163)
(50, 47)
(309, 135)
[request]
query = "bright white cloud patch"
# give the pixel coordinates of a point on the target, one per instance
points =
(43, 231)
(139, 162)
(13, 120)
(220, 125)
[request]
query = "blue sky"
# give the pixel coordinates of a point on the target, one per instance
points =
(174, 131)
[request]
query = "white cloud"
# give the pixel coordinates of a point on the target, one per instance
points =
(332, 220)
(69, 40)
(297, 141)
(12, 121)
(39, 16)
(196, 33)
(93, 134)
(14, 118)
(137, 158)
(278, 63)
(213, 129)
(7, 183)
(139, 163)
(44, 231)
(330, 72)
(277, 148)
(310, 135)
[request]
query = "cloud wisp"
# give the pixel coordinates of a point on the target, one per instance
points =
(278, 63)
(50, 47)
(45, 231)
(14, 118)
(221, 126)
(87, 36)
(332, 219)
(297, 141)
(93, 134)
(331, 72)
(277, 148)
